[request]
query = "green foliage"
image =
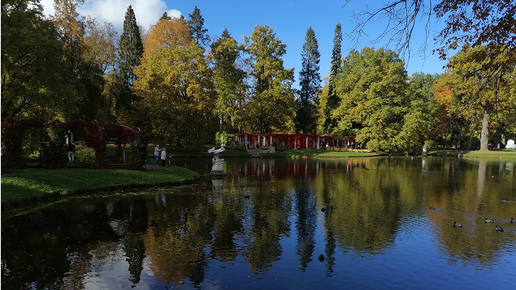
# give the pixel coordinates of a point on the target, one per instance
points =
(130, 51)
(418, 121)
(85, 75)
(272, 107)
(228, 79)
(34, 82)
(483, 89)
(329, 99)
(240, 147)
(310, 82)
(165, 16)
(86, 156)
(226, 138)
(280, 146)
(373, 89)
(196, 27)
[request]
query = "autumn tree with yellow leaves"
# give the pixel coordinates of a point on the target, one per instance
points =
(174, 84)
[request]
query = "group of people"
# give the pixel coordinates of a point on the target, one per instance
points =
(160, 154)
(44, 154)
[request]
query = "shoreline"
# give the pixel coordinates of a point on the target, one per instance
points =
(22, 187)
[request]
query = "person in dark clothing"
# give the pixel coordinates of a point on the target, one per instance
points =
(71, 152)
(44, 155)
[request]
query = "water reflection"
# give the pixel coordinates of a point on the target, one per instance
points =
(274, 218)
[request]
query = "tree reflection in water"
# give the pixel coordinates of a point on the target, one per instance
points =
(266, 219)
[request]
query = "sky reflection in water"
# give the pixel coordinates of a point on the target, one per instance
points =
(280, 224)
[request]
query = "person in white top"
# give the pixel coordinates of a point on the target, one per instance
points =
(163, 156)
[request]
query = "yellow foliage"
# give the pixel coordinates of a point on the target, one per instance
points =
(173, 82)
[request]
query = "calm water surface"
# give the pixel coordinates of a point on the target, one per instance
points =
(279, 224)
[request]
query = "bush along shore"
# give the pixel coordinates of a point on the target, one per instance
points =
(31, 186)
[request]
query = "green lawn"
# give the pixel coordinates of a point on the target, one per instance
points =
(314, 153)
(490, 154)
(32, 185)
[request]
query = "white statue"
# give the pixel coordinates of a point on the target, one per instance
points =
(218, 162)
(510, 144)
(217, 152)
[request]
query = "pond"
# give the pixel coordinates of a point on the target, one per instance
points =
(279, 224)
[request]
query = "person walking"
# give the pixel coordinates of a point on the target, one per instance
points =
(71, 152)
(163, 156)
(157, 152)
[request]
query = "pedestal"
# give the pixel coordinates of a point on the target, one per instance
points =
(218, 168)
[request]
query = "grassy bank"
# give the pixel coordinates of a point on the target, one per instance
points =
(490, 154)
(36, 185)
(314, 153)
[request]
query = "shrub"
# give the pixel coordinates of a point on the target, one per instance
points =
(240, 147)
(227, 138)
(85, 156)
(280, 146)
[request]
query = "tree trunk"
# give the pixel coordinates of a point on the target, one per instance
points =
(484, 135)
(459, 136)
(221, 129)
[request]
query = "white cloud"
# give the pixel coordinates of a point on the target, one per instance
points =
(147, 12)
(174, 13)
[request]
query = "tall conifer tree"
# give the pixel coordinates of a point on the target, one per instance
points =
(196, 27)
(335, 70)
(310, 82)
(129, 53)
(165, 16)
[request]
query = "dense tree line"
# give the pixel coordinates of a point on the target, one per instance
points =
(183, 86)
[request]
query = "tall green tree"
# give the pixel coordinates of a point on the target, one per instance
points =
(85, 75)
(272, 107)
(165, 16)
(336, 55)
(196, 27)
(419, 120)
(373, 92)
(330, 100)
(228, 79)
(310, 82)
(130, 51)
(34, 82)
(101, 43)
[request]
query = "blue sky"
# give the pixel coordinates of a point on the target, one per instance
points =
(288, 19)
